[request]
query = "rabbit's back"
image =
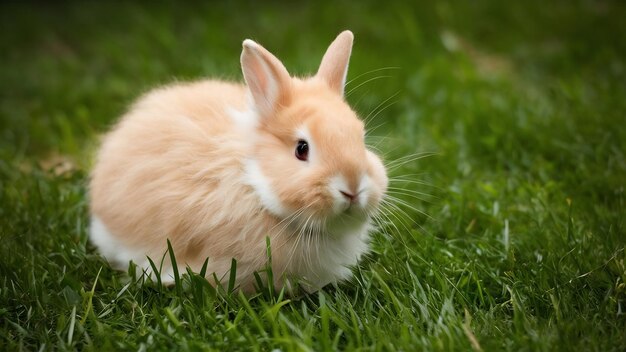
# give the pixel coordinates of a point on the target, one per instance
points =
(168, 170)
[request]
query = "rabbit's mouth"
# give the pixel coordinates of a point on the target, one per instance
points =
(352, 217)
(330, 223)
(352, 210)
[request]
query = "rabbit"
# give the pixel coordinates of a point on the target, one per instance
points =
(219, 167)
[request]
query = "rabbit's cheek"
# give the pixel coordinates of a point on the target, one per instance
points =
(263, 188)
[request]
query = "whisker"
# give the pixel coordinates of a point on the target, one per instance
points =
(368, 130)
(405, 160)
(294, 247)
(358, 101)
(386, 213)
(372, 71)
(399, 190)
(347, 94)
(291, 219)
(367, 118)
(308, 240)
(381, 139)
(372, 118)
(405, 215)
(406, 204)
(378, 224)
(368, 136)
(374, 149)
(417, 182)
(406, 176)
(421, 199)
(414, 155)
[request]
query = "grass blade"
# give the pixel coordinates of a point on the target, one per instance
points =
(177, 283)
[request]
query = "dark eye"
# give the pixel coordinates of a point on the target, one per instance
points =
(302, 150)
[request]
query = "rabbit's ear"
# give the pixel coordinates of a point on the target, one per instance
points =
(334, 66)
(266, 77)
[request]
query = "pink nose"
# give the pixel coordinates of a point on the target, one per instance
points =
(349, 196)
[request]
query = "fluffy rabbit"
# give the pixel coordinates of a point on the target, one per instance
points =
(218, 167)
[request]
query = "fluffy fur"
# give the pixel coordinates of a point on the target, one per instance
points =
(211, 166)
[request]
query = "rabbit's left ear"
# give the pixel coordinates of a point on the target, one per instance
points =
(266, 77)
(334, 67)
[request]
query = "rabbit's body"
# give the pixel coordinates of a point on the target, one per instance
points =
(188, 164)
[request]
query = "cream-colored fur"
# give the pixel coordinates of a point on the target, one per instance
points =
(211, 167)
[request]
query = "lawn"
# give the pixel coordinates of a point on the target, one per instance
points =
(507, 232)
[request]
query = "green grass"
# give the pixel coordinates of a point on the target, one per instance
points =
(523, 104)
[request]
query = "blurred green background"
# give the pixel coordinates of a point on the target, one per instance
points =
(523, 104)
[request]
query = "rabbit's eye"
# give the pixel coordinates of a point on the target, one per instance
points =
(302, 150)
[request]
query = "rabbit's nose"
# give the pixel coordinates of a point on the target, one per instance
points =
(351, 197)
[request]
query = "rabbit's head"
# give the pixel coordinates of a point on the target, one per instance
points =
(308, 158)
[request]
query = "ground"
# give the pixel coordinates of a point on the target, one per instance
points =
(503, 124)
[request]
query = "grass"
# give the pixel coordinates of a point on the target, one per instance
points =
(522, 104)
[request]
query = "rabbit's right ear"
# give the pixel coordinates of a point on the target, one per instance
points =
(334, 66)
(266, 77)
